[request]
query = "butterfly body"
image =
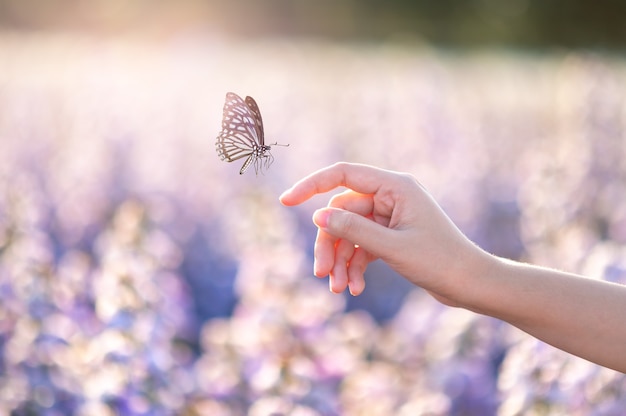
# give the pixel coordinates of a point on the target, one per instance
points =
(242, 134)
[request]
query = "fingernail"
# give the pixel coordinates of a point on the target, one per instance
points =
(320, 218)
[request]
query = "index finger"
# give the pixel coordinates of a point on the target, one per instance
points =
(364, 179)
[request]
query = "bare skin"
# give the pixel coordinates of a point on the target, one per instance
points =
(389, 215)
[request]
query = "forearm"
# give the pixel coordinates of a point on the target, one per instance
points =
(582, 316)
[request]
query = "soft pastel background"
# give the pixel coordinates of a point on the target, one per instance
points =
(140, 275)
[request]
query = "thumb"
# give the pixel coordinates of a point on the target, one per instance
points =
(355, 228)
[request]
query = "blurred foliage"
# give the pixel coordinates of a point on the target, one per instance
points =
(521, 23)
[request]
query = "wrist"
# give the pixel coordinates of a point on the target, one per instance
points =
(472, 279)
(495, 288)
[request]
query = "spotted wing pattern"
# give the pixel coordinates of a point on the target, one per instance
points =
(242, 134)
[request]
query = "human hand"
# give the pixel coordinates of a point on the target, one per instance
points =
(388, 215)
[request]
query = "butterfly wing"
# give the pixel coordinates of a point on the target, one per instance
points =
(240, 135)
(258, 120)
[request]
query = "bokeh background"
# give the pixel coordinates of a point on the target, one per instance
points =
(140, 275)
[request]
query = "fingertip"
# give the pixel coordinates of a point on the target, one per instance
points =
(323, 253)
(317, 270)
(284, 197)
(320, 217)
(356, 288)
(356, 282)
(338, 280)
(356, 272)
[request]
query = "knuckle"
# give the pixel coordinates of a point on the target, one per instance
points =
(335, 200)
(349, 224)
(407, 179)
(339, 200)
(344, 251)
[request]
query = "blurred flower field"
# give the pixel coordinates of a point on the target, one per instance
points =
(140, 275)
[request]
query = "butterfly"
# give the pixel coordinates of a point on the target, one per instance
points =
(242, 134)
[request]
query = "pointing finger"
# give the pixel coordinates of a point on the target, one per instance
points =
(360, 178)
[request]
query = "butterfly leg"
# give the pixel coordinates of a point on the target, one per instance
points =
(269, 159)
(258, 166)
